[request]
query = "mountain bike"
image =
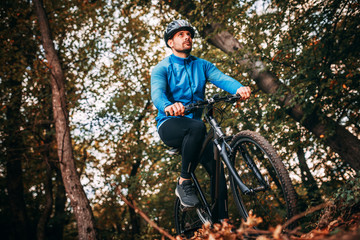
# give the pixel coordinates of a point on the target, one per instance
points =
(259, 180)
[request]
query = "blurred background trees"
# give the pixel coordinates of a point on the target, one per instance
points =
(308, 49)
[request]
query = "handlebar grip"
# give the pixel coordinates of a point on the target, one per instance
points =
(203, 103)
(190, 107)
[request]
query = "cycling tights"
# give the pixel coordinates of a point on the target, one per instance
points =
(188, 135)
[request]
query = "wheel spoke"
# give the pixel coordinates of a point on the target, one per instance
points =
(189, 221)
(256, 160)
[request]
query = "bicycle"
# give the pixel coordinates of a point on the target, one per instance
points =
(258, 178)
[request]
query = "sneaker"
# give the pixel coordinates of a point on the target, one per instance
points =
(186, 193)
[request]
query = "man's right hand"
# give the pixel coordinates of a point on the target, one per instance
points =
(177, 109)
(244, 92)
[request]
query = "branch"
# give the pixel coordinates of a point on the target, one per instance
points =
(303, 214)
(144, 216)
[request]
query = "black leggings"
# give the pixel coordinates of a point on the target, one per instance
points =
(188, 135)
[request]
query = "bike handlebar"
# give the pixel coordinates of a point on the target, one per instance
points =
(202, 103)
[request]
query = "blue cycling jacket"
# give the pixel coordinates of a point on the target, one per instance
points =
(183, 80)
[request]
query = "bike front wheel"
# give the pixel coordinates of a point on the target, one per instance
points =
(261, 170)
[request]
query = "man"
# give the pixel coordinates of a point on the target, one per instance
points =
(179, 80)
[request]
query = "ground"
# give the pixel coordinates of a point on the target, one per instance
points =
(331, 225)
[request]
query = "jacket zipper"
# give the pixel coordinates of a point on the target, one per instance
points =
(192, 93)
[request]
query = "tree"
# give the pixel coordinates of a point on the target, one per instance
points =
(73, 187)
(12, 142)
(126, 121)
(216, 31)
(107, 49)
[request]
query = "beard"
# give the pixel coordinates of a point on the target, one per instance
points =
(184, 49)
(187, 51)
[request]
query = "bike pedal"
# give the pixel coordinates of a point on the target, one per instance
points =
(184, 209)
(173, 151)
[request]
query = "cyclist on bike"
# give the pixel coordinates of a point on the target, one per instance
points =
(179, 80)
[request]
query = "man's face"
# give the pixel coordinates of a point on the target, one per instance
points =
(181, 42)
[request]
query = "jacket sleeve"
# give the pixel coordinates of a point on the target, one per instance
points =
(159, 87)
(221, 80)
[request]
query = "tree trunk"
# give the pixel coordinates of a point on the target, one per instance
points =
(12, 139)
(44, 218)
(60, 218)
(13, 145)
(308, 179)
(341, 141)
(73, 187)
(134, 217)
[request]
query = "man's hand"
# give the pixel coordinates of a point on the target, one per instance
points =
(244, 92)
(177, 109)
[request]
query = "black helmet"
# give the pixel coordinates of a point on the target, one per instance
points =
(176, 26)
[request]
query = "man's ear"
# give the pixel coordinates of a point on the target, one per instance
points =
(170, 43)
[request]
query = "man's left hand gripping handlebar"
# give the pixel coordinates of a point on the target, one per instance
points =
(176, 109)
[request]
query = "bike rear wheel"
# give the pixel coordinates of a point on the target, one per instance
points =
(188, 221)
(275, 203)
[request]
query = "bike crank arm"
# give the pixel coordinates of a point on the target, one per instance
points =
(202, 197)
(262, 187)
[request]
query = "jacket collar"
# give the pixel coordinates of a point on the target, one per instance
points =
(180, 60)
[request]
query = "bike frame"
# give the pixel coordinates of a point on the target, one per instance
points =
(222, 150)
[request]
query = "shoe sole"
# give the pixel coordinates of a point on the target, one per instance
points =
(185, 209)
(182, 203)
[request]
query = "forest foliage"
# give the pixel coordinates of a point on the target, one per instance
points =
(107, 50)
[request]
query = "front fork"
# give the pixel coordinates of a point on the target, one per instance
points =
(221, 146)
(223, 150)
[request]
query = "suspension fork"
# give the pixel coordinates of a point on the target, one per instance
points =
(255, 169)
(224, 154)
(221, 145)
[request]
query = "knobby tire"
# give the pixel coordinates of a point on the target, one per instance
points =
(274, 205)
